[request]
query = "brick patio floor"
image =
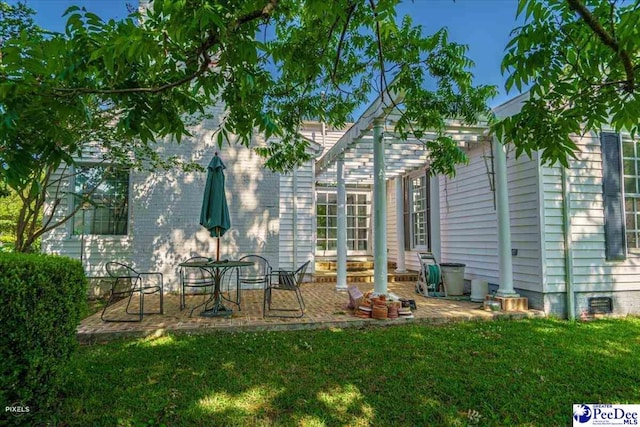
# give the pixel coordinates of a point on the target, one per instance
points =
(325, 308)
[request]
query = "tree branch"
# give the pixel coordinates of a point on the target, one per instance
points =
(342, 36)
(606, 38)
(213, 39)
(380, 52)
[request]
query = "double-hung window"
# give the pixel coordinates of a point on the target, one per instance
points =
(417, 211)
(101, 195)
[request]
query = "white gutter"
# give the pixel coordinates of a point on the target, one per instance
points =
(294, 214)
(401, 266)
(568, 255)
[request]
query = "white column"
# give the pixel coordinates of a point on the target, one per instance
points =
(341, 283)
(434, 189)
(505, 262)
(380, 210)
(400, 261)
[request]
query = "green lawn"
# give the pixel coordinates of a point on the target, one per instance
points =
(505, 373)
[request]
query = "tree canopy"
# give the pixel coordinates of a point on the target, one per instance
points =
(580, 60)
(271, 63)
(125, 85)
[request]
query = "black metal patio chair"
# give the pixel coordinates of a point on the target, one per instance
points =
(126, 283)
(256, 276)
(198, 280)
(283, 280)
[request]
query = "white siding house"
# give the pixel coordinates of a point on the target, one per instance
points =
(562, 229)
(272, 215)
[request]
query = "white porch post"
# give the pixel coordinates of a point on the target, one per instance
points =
(505, 287)
(341, 282)
(400, 261)
(380, 210)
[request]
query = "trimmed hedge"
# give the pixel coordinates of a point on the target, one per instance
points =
(42, 298)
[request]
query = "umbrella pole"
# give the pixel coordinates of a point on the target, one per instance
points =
(218, 244)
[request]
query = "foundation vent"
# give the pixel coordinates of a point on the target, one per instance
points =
(600, 305)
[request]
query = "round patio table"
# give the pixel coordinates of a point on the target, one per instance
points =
(218, 270)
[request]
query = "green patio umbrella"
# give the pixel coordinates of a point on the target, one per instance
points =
(214, 215)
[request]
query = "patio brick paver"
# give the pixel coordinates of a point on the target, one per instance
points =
(325, 308)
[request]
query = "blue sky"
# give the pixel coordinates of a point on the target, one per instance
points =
(483, 25)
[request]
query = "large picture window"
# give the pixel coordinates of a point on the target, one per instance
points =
(631, 175)
(103, 196)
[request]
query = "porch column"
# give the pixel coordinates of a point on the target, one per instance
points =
(341, 282)
(380, 210)
(505, 287)
(400, 261)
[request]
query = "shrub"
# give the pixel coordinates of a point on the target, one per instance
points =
(42, 299)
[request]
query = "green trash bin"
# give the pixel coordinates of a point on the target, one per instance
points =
(453, 273)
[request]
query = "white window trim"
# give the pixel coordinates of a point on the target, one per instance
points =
(71, 203)
(626, 138)
(421, 173)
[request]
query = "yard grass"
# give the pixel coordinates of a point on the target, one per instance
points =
(526, 372)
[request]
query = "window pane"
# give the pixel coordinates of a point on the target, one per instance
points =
(351, 233)
(362, 210)
(629, 221)
(362, 199)
(362, 245)
(321, 210)
(332, 222)
(322, 233)
(104, 196)
(322, 197)
(627, 149)
(332, 233)
(351, 245)
(362, 222)
(630, 185)
(332, 198)
(629, 167)
(332, 210)
(351, 221)
(332, 245)
(350, 199)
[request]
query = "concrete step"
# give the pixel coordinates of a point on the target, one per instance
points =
(366, 276)
(352, 265)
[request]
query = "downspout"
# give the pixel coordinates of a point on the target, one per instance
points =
(568, 256)
(324, 135)
(294, 213)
